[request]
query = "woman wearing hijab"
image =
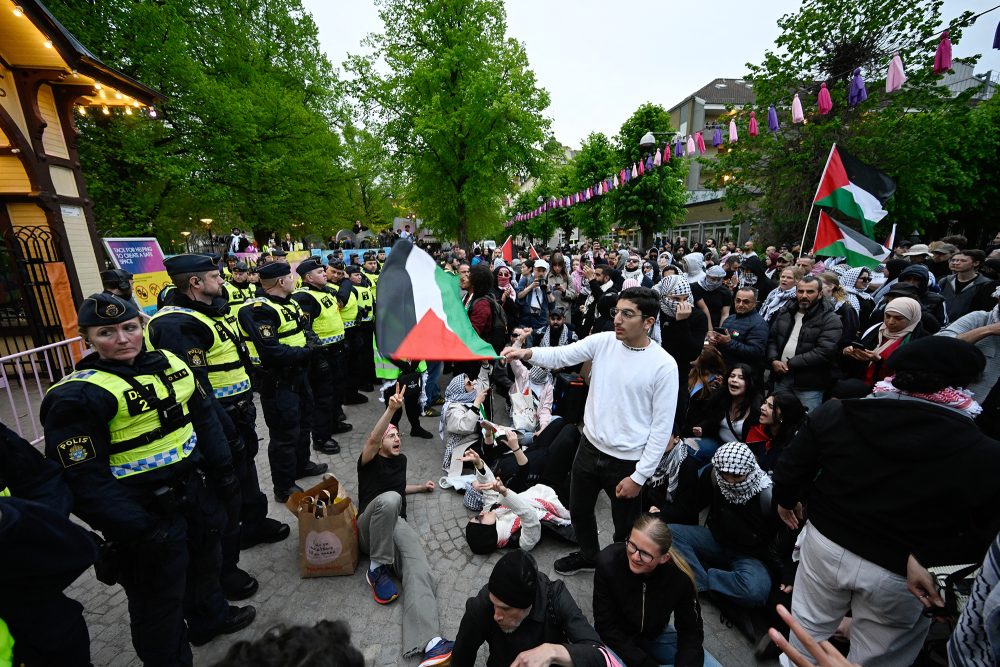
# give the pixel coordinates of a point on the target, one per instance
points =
(694, 262)
(900, 325)
(683, 327)
(729, 552)
(783, 294)
(504, 293)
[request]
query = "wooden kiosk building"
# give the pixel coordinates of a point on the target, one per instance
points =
(49, 254)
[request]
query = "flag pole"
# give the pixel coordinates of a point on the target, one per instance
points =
(811, 206)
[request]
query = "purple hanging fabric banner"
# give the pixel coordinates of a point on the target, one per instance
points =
(772, 119)
(857, 94)
(717, 137)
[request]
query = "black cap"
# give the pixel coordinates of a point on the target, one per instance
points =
(957, 361)
(307, 265)
(241, 266)
(278, 253)
(274, 270)
(189, 263)
(482, 538)
(115, 275)
(102, 308)
(514, 579)
(353, 268)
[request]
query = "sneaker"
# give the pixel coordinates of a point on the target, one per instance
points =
(430, 412)
(438, 401)
(574, 563)
(383, 588)
(439, 655)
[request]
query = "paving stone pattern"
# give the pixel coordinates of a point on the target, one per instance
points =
(285, 598)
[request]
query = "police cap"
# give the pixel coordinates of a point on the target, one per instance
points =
(279, 253)
(102, 308)
(189, 263)
(115, 276)
(352, 268)
(240, 266)
(274, 270)
(307, 265)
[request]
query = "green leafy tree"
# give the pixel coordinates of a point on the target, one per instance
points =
(655, 201)
(454, 99)
(770, 180)
(597, 159)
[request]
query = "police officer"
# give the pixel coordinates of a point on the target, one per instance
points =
(281, 345)
(380, 258)
(326, 375)
(147, 462)
(370, 269)
(118, 282)
(200, 327)
(347, 298)
(365, 328)
(239, 288)
(230, 267)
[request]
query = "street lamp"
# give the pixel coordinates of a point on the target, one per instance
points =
(647, 144)
(211, 239)
(187, 241)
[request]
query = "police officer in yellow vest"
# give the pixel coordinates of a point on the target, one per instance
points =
(370, 269)
(326, 375)
(146, 459)
(200, 327)
(364, 329)
(281, 345)
(347, 298)
(239, 288)
(41, 553)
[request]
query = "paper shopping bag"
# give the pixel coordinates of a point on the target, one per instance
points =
(328, 531)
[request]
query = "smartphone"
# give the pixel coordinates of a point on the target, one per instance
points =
(721, 331)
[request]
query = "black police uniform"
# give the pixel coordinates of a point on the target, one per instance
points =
(281, 378)
(191, 339)
(362, 348)
(164, 518)
(326, 373)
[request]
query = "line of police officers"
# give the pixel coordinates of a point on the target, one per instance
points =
(154, 435)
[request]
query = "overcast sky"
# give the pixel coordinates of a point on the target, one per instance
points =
(601, 59)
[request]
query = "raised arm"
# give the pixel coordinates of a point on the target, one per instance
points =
(374, 440)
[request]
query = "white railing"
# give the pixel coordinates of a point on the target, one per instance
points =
(26, 376)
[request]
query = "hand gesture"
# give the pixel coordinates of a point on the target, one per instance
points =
(496, 485)
(683, 310)
(512, 353)
(511, 437)
(396, 400)
(823, 652)
(696, 431)
(470, 456)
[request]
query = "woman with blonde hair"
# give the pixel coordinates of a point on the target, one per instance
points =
(638, 587)
(834, 292)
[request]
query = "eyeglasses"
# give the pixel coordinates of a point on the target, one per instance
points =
(865, 280)
(633, 550)
(626, 313)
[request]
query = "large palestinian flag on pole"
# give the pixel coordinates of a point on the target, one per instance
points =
(836, 240)
(854, 190)
(419, 313)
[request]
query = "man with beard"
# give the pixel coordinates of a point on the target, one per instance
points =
(200, 329)
(526, 619)
(803, 343)
(745, 333)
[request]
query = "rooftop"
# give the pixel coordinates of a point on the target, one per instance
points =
(723, 91)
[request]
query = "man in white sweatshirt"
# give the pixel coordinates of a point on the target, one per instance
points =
(627, 419)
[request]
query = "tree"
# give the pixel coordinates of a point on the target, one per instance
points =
(596, 160)
(655, 201)
(457, 104)
(770, 180)
(246, 135)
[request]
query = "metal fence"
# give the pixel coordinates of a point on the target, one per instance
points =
(26, 376)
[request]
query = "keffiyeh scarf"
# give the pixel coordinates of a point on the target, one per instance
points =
(668, 470)
(672, 286)
(848, 280)
(955, 398)
(736, 458)
(775, 300)
(538, 375)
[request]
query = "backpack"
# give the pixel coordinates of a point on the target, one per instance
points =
(498, 331)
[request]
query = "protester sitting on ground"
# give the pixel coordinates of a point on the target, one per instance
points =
(728, 553)
(783, 294)
(705, 379)
(885, 501)
(673, 486)
(514, 520)
(638, 587)
(392, 543)
(526, 619)
(781, 414)
(682, 326)
(460, 417)
(730, 414)
(900, 326)
(326, 644)
(743, 335)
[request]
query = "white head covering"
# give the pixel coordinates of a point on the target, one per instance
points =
(695, 263)
(669, 286)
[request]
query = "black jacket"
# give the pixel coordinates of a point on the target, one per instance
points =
(555, 618)
(628, 607)
(900, 476)
(749, 528)
(31, 476)
(684, 339)
(598, 316)
(817, 347)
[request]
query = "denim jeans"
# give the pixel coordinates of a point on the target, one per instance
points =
(663, 649)
(810, 398)
(431, 387)
(706, 449)
(593, 472)
(722, 570)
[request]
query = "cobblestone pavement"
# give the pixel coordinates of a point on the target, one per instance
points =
(285, 598)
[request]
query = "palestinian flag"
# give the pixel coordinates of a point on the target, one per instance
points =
(533, 253)
(508, 249)
(419, 313)
(836, 240)
(854, 189)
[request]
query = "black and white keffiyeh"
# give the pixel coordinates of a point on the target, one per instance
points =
(537, 374)
(668, 470)
(775, 300)
(736, 458)
(672, 285)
